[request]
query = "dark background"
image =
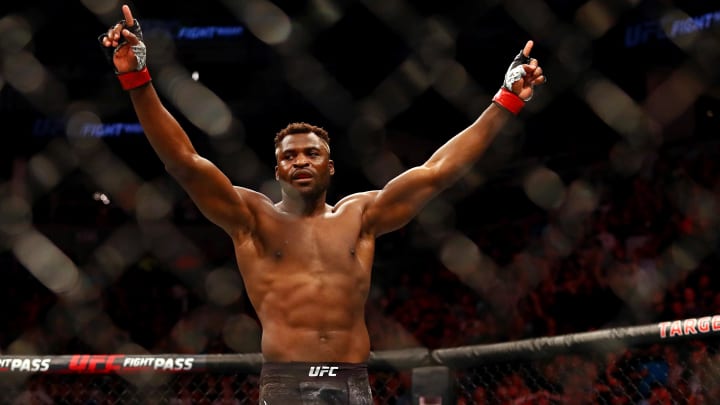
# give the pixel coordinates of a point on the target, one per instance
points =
(358, 52)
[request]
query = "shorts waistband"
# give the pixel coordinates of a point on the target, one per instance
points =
(312, 369)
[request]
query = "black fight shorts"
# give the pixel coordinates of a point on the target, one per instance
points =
(314, 384)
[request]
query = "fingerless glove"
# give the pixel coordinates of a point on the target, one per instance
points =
(140, 76)
(505, 97)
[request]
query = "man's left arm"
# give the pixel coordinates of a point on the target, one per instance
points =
(405, 195)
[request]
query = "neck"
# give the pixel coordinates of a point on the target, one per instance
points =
(303, 206)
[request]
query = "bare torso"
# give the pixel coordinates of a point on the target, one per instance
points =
(308, 278)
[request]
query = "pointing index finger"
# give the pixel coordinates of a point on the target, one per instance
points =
(528, 48)
(129, 20)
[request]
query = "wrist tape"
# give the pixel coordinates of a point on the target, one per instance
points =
(508, 100)
(134, 79)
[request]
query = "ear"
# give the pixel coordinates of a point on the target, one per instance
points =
(277, 177)
(331, 167)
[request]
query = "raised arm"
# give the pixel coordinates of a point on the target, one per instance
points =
(209, 188)
(404, 196)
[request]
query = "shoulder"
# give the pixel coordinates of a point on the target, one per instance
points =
(361, 199)
(253, 197)
(252, 194)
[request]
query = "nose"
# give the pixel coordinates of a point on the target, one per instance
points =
(300, 161)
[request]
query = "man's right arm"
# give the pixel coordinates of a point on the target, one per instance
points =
(209, 188)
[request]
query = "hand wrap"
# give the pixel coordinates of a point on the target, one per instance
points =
(505, 97)
(140, 76)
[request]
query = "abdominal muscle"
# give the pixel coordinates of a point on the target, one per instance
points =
(313, 316)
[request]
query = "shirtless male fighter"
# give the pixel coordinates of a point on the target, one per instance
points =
(306, 264)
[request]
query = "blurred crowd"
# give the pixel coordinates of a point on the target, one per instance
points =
(647, 253)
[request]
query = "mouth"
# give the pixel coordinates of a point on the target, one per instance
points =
(302, 175)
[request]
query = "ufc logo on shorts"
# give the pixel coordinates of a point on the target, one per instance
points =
(319, 371)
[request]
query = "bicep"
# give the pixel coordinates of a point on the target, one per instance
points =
(213, 193)
(400, 200)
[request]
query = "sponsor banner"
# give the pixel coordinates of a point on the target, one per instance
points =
(689, 327)
(99, 364)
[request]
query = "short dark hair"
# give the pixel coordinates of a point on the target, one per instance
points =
(301, 128)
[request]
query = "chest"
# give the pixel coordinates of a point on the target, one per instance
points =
(328, 239)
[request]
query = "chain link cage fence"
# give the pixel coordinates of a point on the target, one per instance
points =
(596, 209)
(672, 362)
